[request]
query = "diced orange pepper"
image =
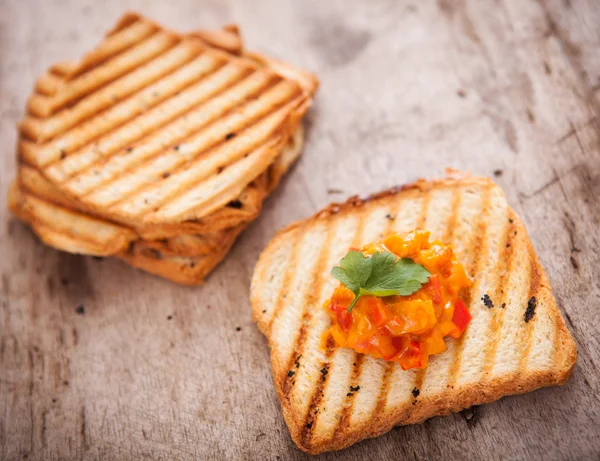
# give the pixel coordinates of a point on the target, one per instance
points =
(376, 311)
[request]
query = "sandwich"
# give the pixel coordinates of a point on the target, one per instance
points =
(471, 319)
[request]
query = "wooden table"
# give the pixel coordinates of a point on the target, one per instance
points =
(100, 361)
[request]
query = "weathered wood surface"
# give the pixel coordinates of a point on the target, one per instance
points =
(506, 88)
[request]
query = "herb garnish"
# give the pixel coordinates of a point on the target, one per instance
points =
(379, 275)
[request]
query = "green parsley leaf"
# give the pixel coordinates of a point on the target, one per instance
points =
(380, 275)
(354, 270)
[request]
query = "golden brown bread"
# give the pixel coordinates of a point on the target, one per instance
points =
(184, 255)
(157, 147)
(158, 128)
(183, 269)
(332, 398)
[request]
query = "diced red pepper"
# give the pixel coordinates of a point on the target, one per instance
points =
(435, 290)
(462, 316)
(344, 319)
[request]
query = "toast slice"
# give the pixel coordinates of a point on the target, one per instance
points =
(185, 270)
(60, 222)
(66, 229)
(242, 209)
(159, 128)
(334, 397)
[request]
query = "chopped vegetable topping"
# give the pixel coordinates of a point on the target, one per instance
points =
(398, 299)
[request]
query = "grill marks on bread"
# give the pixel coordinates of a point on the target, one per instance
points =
(480, 260)
(359, 359)
(150, 104)
(504, 268)
(312, 416)
(306, 309)
(447, 236)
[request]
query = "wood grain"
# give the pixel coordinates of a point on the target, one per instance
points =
(99, 361)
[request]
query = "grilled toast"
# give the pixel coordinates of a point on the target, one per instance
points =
(158, 128)
(186, 270)
(242, 209)
(334, 397)
(66, 229)
(184, 254)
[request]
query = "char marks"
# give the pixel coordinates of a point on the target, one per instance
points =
(481, 248)
(318, 276)
(534, 288)
(359, 361)
(382, 396)
(313, 407)
(288, 277)
(504, 268)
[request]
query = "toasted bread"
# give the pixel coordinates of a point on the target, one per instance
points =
(243, 209)
(184, 253)
(186, 270)
(334, 397)
(66, 229)
(190, 245)
(155, 127)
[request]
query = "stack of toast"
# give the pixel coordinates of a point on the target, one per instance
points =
(158, 148)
